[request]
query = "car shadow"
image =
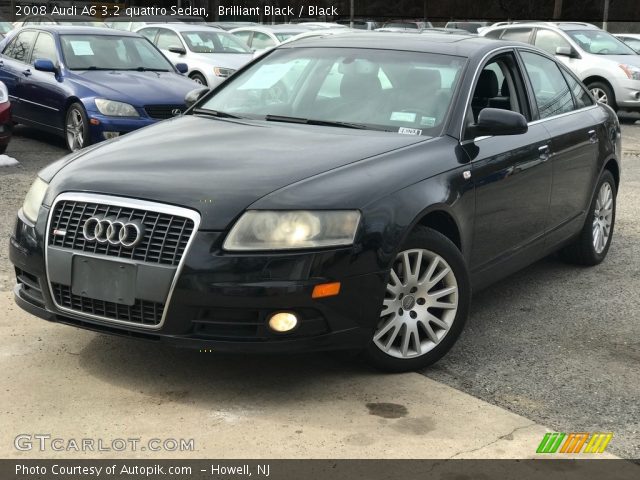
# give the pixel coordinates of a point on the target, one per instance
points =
(30, 133)
(227, 381)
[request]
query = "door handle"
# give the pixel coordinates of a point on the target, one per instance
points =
(545, 152)
(593, 136)
(26, 72)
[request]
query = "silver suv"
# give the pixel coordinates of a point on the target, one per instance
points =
(608, 67)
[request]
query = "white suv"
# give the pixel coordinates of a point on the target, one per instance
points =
(608, 67)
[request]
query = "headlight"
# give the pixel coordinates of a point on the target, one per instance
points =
(276, 230)
(4, 94)
(223, 72)
(112, 108)
(631, 71)
(34, 198)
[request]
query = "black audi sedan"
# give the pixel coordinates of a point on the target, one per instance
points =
(341, 192)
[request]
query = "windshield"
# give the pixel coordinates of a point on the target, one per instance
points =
(403, 92)
(214, 42)
(111, 52)
(599, 42)
(84, 23)
(5, 27)
(282, 36)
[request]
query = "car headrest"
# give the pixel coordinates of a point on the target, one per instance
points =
(487, 85)
(359, 86)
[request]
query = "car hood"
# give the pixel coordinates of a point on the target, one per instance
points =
(141, 88)
(218, 167)
(227, 60)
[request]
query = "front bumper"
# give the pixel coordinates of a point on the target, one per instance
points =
(627, 92)
(101, 124)
(223, 301)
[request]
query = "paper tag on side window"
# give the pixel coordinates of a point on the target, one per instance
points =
(409, 131)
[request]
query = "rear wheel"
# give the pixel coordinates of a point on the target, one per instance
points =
(425, 305)
(76, 128)
(603, 94)
(592, 245)
(199, 78)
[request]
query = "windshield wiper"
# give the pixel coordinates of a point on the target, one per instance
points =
(215, 113)
(310, 121)
(143, 69)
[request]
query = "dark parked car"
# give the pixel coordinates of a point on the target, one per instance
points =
(89, 84)
(343, 192)
(6, 122)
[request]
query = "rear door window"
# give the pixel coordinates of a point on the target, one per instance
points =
(20, 48)
(550, 88)
(517, 34)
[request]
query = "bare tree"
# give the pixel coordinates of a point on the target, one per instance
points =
(557, 10)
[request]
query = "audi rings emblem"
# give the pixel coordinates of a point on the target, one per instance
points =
(115, 231)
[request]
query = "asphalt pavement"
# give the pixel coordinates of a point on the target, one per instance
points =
(555, 344)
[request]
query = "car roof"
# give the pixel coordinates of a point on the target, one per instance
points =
(284, 27)
(448, 44)
(558, 25)
(80, 30)
(184, 27)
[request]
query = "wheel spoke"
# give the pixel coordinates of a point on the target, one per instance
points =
(443, 273)
(388, 306)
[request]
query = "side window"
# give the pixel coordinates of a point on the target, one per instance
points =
(549, 41)
(495, 33)
(496, 87)
(167, 38)
(517, 34)
(580, 94)
(149, 33)
(243, 36)
(549, 86)
(45, 48)
(20, 48)
(261, 40)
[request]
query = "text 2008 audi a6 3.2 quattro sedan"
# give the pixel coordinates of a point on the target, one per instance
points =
(343, 192)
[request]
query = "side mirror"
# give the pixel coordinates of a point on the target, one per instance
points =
(182, 67)
(496, 121)
(44, 65)
(194, 95)
(178, 50)
(566, 52)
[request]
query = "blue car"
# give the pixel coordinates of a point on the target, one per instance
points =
(89, 84)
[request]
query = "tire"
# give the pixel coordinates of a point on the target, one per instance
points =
(602, 90)
(584, 250)
(76, 131)
(409, 304)
(199, 78)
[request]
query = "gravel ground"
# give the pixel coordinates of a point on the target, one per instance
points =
(561, 347)
(560, 344)
(34, 150)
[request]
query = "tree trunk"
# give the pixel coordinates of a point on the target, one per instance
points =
(557, 10)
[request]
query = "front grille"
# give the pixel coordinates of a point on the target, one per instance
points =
(165, 240)
(163, 111)
(142, 311)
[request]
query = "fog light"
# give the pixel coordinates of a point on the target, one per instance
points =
(108, 135)
(283, 322)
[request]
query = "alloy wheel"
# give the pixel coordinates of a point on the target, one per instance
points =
(75, 130)
(420, 304)
(600, 95)
(602, 218)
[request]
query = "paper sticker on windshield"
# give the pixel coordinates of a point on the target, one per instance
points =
(403, 117)
(266, 76)
(409, 131)
(195, 38)
(81, 48)
(428, 121)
